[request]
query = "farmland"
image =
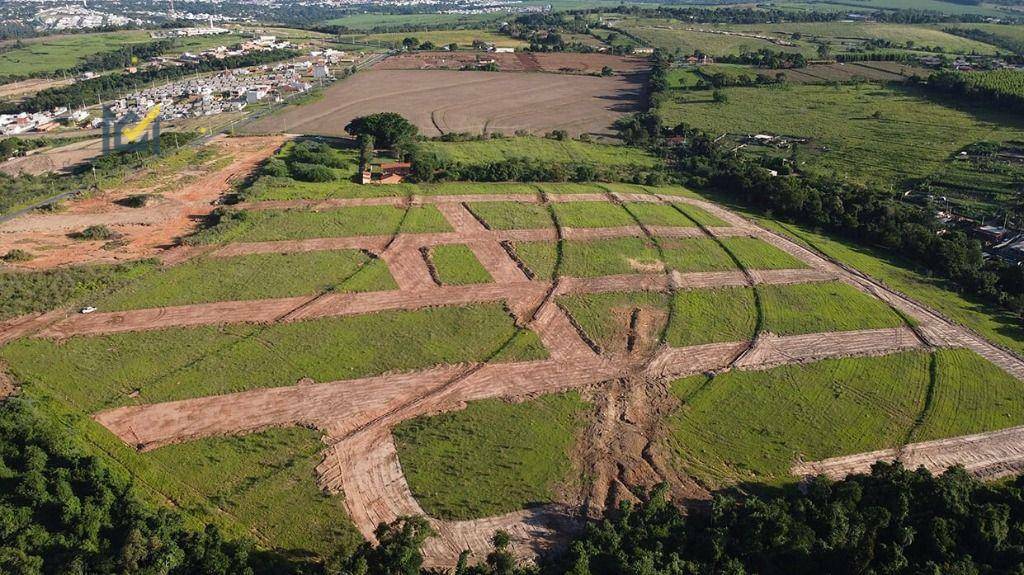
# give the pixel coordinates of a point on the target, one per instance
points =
(440, 101)
(62, 52)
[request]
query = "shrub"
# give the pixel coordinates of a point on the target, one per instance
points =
(311, 172)
(98, 232)
(17, 255)
(276, 167)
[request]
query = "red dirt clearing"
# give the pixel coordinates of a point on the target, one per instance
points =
(557, 62)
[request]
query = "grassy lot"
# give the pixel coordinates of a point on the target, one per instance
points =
(36, 291)
(367, 22)
(995, 324)
(511, 215)
(456, 264)
(97, 372)
(971, 396)
(264, 481)
(650, 214)
(752, 426)
(464, 38)
(700, 216)
(756, 254)
(943, 6)
(592, 215)
(491, 458)
(841, 35)
(482, 188)
(542, 149)
(820, 307)
(712, 315)
(572, 188)
(61, 52)
(275, 225)
(673, 35)
(256, 276)
(605, 317)
(867, 134)
(284, 188)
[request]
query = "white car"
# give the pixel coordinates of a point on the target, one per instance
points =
(87, 309)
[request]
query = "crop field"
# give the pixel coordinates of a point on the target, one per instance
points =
(99, 372)
(274, 225)
(752, 426)
(868, 134)
(442, 101)
(455, 264)
(449, 459)
(256, 276)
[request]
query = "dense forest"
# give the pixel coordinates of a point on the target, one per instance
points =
(1000, 89)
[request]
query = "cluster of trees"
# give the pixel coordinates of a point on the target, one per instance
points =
(13, 147)
(388, 129)
(891, 521)
(766, 58)
(88, 92)
(1005, 42)
(307, 161)
(1001, 89)
(869, 216)
(875, 57)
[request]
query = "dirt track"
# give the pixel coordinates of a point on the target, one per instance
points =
(630, 391)
(148, 231)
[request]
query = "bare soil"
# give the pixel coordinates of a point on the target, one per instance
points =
(440, 101)
(554, 62)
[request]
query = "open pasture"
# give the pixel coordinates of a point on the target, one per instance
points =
(49, 54)
(871, 135)
(441, 101)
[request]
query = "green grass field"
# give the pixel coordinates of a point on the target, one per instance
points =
(256, 276)
(756, 254)
(276, 225)
(650, 214)
(491, 458)
(542, 149)
(98, 372)
(711, 316)
(455, 264)
(61, 52)
(673, 35)
(842, 35)
(818, 307)
(753, 426)
(511, 215)
(592, 215)
(265, 482)
(474, 188)
(370, 21)
(886, 137)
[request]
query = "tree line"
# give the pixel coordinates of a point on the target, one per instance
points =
(1000, 89)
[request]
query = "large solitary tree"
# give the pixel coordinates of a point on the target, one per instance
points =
(387, 128)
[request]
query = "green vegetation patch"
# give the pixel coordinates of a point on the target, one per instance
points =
(757, 254)
(820, 307)
(492, 458)
(36, 291)
(542, 149)
(712, 315)
(62, 52)
(650, 214)
(592, 215)
(98, 372)
(572, 188)
(701, 216)
(754, 425)
(456, 264)
(971, 395)
(277, 225)
(265, 481)
(475, 188)
(606, 317)
(511, 215)
(256, 276)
